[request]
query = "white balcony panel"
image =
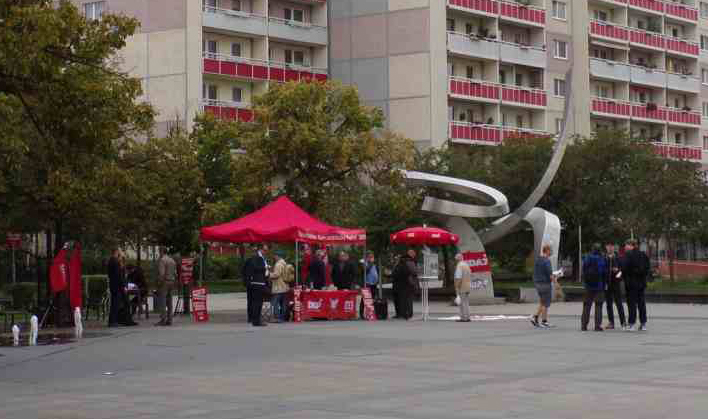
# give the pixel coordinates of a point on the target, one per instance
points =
(472, 46)
(609, 70)
(295, 31)
(512, 53)
(648, 77)
(684, 83)
(228, 21)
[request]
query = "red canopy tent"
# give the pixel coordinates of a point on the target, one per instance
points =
(281, 221)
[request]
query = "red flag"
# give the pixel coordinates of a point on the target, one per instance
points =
(59, 272)
(75, 287)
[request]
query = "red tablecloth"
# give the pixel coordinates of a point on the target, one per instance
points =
(332, 305)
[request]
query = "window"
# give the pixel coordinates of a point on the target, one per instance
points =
(451, 25)
(236, 50)
(704, 76)
(210, 4)
(704, 42)
(209, 91)
(297, 15)
(677, 103)
(640, 24)
(299, 57)
(502, 77)
(468, 28)
(559, 87)
(559, 125)
(600, 15)
(210, 46)
(704, 10)
(705, 143)
(677, 138)
(705, 109)
(94, 11)
(288, 56)
(602, 91)
(519, 80)
(470, 72)
(236, 94)
(236, 5)
(520, 121)
(561, 49)
(558, 9)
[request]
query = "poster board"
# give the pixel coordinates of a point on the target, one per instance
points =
(199, 305)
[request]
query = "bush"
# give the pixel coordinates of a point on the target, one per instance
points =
(24, 295)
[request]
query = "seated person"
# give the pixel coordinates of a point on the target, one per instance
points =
(136, 276)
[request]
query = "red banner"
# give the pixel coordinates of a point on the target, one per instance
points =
(13, 240)
(199, 305)
(478, 261)
(297, 309)
(59, 272)
(75, 284)
(186, 270)
(369, 311)
(332, 305)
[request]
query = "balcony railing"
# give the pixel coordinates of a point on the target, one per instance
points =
(470, 133)
(479, 89)
(682, 46)
(509, 132)
(528, 14)
(228, 110)
(611, 107)
(650, 5)
(609, 30)
(677, 151)
(523, 95)
(648, 39)
(682, 11)
(683, 117)
(490, 7)
(648, 112)
(609, 69)
(252, 69)
(299, 31)
(226, 19)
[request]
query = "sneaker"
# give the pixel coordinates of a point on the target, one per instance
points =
(624, 327)
(547, 325)
(609, 326)
(632, 328)
(643, 328)
(583, 329)
(599, 329)
(534, 322)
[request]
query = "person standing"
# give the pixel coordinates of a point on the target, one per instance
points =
(279, 287)
(116, 288)
(635, 271)
(166, 277)
(613, 293)
(371, 276)
(543, 280)
(463, 286)
(256, 272)
(594, 274)
(343, 272)
(317, 271)
(405, 276)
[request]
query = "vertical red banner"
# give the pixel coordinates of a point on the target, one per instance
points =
(199, 305)
(369, 312)
(186, 270)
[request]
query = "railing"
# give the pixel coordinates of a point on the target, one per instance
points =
(228, 110)
(682, 46)
(646, 111)
(485, 6)
(254, 69)
(653, 5)
(509, 132)
(475, 133)
(235, 13)
(297, 24)
(650, 39)
(677, 151)
(680, 116)
(474, 88)
(524, 13)
(527, 96)
(609, 30)
(611, 107)
(682, 11)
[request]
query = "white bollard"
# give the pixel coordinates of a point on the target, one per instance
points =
(78, 325)
(34, 330)
(15, 335)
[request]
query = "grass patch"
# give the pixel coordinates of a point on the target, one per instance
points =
(224, 287)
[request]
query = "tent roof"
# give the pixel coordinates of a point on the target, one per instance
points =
(278, 222)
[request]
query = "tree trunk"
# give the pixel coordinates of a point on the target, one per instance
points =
(446, 263)
(672, 256)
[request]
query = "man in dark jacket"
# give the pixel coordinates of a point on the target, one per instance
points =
(343, 272)
(116, 288)
(594, 274)
(405, 277)
(255, 273)
(317, 271)
(613, 287)
(635, 271)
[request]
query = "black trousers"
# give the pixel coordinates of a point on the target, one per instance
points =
(254, 302)
(114, 315)
(613, 296)
(404, 298)
(636, 301)
(592, 297)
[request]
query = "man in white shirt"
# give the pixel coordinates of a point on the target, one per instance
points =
(463, 286)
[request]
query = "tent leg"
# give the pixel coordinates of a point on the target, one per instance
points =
(297, 265)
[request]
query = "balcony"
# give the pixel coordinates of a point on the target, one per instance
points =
(228, 110)
(468, 133)
(523, 54)
(677, 151)
(609, 31)
(472, 46)
(514, 95)
(474, 89)
(682, 47)
(610, 70)
(522, 14)
(647, 39)
(683, 82)
(684, 118)
(525, 133)
(645, 112)
(611, 108)
(485, 7)
(258, 70)
(681, 11)
(297, 31)
(233, 21)
(653, 6)
(647, 76)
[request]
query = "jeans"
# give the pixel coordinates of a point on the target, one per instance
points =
(613, 296)
(165, 294)
(592, 296)
(464, 306)
(277, 302)
(255, 303)
(636, 300)
(404, 296)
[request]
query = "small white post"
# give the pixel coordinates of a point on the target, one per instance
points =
(15, 335)
(34, 330)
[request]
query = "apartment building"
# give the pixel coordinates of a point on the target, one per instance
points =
(478, 71)
(214, 55)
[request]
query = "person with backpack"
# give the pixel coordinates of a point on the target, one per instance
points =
(613, 290)
(405, 277)
(636, 269)
(594, 274)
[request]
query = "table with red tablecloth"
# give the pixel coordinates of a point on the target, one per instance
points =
(332, 305)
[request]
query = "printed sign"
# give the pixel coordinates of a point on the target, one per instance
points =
(478, 261)
(186, 270)
(13, 240)
(430, 265)
(199, 305)
(297, 310)
(369, 312)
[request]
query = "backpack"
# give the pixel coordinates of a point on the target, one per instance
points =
(289, 274)
(645, 267)
(591, 270)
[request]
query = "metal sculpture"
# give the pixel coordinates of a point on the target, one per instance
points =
(546, 226)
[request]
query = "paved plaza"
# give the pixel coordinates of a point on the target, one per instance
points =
(393, 369)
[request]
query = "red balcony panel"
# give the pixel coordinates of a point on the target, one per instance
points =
(516, 11)
(228, 68)
(683, 117)
(642, 111)
(214, 110)
(260, 72)
(682, 46)
(229, 113)
(648, 39)
(654, 5)
(211, 66)
(305, 76)
(676, 151)
(528, 97)
(245, 115)
(681, 11)
(487, 6)
(277, 74)
(292, 75)
(244, 70)
(611, 108)
(321, 77)
(609, 31)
